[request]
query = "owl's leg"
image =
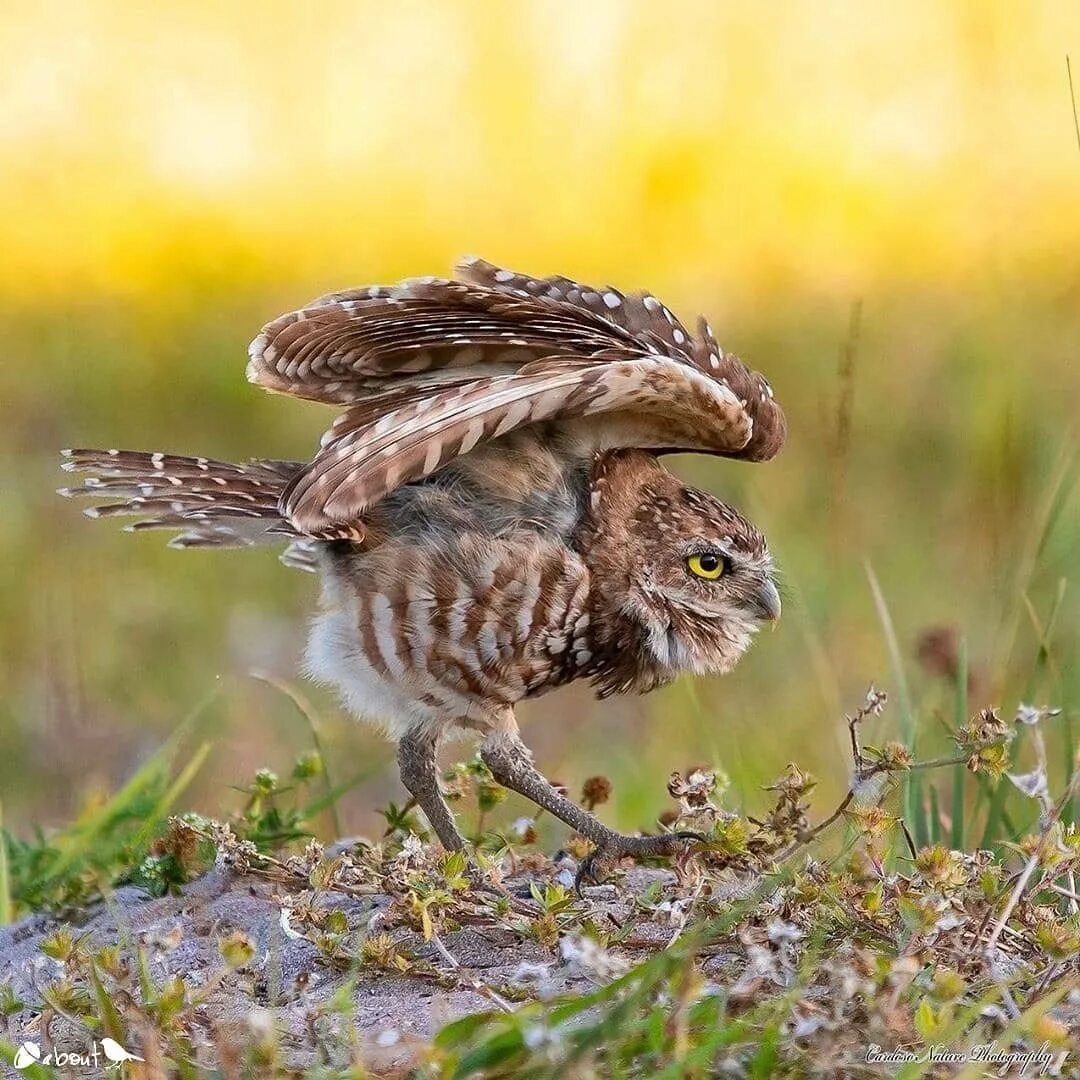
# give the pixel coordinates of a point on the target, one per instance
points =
(511, 765)
(416, 763)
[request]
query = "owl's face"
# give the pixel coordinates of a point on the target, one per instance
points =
(699, 579)
(705, 582)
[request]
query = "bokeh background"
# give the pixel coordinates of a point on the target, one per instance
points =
(878, 205)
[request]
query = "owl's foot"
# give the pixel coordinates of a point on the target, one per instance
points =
(511, 765)
(607, 854)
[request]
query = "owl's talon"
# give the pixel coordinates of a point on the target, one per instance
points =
(604, 857)
(689, 834)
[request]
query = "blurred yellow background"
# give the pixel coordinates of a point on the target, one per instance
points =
(892, 190)
(709, 145)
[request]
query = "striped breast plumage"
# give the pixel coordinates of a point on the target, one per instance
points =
(468, 595)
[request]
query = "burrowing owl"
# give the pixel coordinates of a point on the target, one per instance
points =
(488, 514)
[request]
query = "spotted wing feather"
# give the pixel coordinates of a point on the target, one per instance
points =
(209, 503)
(431, 368)
(642, 400)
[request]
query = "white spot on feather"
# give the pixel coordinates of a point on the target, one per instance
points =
(432, 457)
(514, 416)
(473, 434)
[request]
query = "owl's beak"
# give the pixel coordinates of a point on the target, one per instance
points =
(767, 602)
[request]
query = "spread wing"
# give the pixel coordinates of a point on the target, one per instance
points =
(431, 368)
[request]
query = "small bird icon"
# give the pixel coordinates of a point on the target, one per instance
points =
(116, 1053)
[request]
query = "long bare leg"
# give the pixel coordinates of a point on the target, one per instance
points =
(416, 763)
(511, 764)
(419, 773)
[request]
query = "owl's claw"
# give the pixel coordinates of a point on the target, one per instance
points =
(603, 858)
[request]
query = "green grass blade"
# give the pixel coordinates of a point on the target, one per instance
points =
(935, 832)
(85, 834)
(959, 777)
(110, 1016)
(307, 711)
(1070, 762)
(1042, 526)
(911, 794)
(165, 804)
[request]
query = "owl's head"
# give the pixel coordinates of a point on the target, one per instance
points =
(689, 571)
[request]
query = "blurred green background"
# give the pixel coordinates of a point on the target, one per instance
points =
(877, 206)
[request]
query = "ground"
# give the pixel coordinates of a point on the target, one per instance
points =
(744, 957)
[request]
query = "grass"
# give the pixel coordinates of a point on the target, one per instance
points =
(935, 557)
(959, 508)
(820, 957)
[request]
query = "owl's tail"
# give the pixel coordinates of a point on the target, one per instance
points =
(211, 503)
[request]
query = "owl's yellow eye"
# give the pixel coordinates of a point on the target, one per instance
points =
(707, 566)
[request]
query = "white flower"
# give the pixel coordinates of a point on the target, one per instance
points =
(261, 1023)
(783, 933)
(875, 701)
(805, 1026)
(591, 958)
(673, 912)
(1032, 714)
(947, 923)
(412, 850)
(761, 965)
(521, 827)
(528, 973)
(535, 1035)
(1032, 784)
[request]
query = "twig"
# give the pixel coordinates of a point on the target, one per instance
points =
(812, 834)
(875, 700)
(686, 918)
(862, 774)
(856, 751)
(1070, 893)
(942, 762)
(874, 705)
(480, 987)
(1031, 866)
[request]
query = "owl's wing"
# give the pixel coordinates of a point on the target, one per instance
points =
(432, 368)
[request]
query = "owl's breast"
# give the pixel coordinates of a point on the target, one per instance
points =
(419, 633)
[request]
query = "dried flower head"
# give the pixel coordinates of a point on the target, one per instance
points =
(595, 790)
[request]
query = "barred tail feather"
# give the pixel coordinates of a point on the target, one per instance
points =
(210, 503)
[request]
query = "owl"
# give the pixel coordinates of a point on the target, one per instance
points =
(488, 513)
